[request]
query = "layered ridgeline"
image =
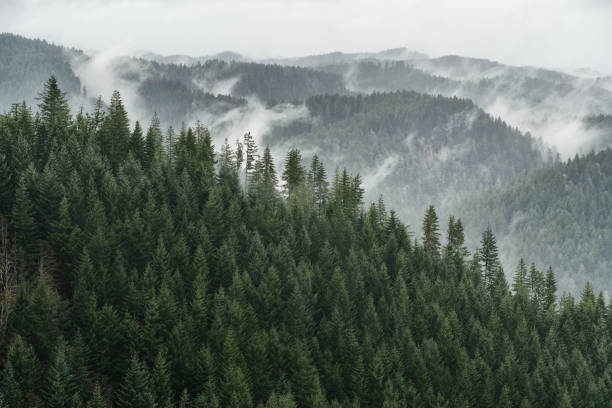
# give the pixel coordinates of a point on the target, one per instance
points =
(25, 64)
(557, 216)
(414, 149)
(149, 272)
(210, 90)
(547, 103)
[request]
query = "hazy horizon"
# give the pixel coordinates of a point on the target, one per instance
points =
(550, 34)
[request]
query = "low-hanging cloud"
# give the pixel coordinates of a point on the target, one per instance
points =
(553, 33)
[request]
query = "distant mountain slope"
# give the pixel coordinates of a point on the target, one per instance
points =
(393, 54)
(25, 64)
(559, 216)
(207, 91)
(415, 149)
(270, 83)
(547, 103)
(177, 93)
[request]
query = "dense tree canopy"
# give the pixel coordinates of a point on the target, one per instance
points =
(557, 216)
(151, 277)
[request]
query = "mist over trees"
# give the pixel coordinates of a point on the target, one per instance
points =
(556, 216)
(339, 230)
(415, 149)
(139, 269)
(25, 64)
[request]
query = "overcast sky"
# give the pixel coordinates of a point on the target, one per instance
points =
(552, 33)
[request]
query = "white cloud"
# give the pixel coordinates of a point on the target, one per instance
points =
(554, 33)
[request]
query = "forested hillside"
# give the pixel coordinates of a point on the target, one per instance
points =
(549, 104)
(25, 64)
(414, 149)
(270, 83)
(177, 93)
(145, 272)
(557, 216)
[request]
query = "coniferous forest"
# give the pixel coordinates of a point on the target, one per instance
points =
(145, 267)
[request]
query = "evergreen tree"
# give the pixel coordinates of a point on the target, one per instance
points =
(489, 257)
(455, 246)
(153, 141)
(9, 387)
(23, 219)
(135, 389)
(136, 143)
(293, 174)
(61, 386)
(251, 156)
(161, 381)
(550, 291)
(268, 172)
(244, 300)
(431, 234)
(115, 132)
(520, 278)
(96, 400)
(54, 120)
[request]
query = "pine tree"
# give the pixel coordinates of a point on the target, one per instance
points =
(60, 231)
(268, 170)
(455, 246)
(317, 179)
(23, 219)
(489, 257)
(234, 385)
(115, 132)
(61, 387)
(78, 359)
(96, 400)
(9, 386)
(305, 379)
(550, 291)
(294, 173)
(280, 401)
(3, 403)
(54, 119)
(431, 234)
(251, 156)
(536, 285)
(153, 141)
(136, 144)
(161, 380)
(520, 284)
(26, 366)
(135, 389)
(6, 184)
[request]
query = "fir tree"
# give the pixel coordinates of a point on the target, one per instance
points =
(115, 132)
(54, 119)
(135, 390)
(550, 291)
(431, 234)
(96, 400)
(61, 387)
(489, 257)
(23, 219)
(293, 174)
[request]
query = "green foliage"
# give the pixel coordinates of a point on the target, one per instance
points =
(414, 149)
(294, 173)
(61, 387)
(174, 283)
(431, 233)
(42, 59)
(135, 390)
(558, 216)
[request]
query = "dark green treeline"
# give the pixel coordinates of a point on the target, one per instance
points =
(139, 268)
